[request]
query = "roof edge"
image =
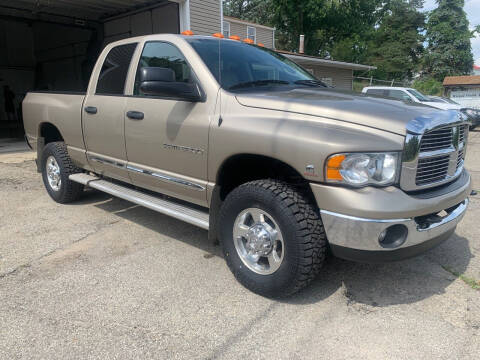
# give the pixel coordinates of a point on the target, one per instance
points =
(326, 62)
(245, 22)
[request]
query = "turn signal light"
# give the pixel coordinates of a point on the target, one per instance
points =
(187, 32)
(248, 41)
(333, 167)
(218, 35)
(234, 37)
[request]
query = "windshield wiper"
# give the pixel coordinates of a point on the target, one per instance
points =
(257, 83)
(311, 83)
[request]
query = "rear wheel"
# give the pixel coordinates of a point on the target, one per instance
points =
(272, 237)
(56, 168)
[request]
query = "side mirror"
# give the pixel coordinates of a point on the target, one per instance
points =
(157, 81)
(407, 98)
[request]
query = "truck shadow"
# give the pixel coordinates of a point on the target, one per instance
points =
(373, 285)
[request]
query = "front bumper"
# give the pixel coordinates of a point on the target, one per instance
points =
(424, 221)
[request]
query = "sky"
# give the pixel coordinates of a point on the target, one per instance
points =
(472, 8)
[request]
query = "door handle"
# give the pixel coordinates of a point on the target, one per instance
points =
(91, 109)
(135, 115)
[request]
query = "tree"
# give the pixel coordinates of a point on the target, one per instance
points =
(259, 11)
(325, 23)
(449, 51)
(397, 44)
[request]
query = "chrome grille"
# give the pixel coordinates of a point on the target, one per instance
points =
(461, 133)
(460, 159)
(437, 140)
(432, 169)
(434, 157)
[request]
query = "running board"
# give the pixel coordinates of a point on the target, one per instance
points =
(179, 211)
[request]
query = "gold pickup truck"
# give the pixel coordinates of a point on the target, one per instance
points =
(239, 140)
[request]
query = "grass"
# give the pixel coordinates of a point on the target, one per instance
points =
(473, 283)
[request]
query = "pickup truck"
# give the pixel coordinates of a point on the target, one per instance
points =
(237, 139)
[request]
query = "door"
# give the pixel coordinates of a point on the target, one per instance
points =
(167, 138)
(104, 115)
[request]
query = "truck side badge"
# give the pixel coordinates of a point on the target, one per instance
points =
(310, 170)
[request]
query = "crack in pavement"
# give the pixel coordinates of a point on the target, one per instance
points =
(50, 252)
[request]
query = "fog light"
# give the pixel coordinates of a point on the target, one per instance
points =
(393, 236)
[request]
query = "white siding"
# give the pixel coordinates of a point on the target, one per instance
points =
(341, 78)
(264, 36)
(205, 17)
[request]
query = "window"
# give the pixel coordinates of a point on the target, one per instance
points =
(378, 92)
(226, 29)
(111, 80)
(252, 33)
(165, 55)
(397, 95)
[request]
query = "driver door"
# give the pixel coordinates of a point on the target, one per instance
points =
(166, 138)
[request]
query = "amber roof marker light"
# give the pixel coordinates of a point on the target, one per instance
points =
(187, 33)
(234, 37)
(261, 44)
(248, 41)
(218, 35)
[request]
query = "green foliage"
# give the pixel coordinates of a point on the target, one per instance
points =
(397, 43)
(389, 34)
(448, 35)
(428, 86)
(258, 11)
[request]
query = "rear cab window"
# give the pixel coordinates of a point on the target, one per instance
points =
(378, 92)
(113, 74)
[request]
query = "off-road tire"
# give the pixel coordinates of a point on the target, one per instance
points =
(302, 229)
(69, 191)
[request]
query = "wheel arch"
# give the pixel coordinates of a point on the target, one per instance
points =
(245, 167)
(49, 132)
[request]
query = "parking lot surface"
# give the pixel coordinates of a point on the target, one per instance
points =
(106, 279)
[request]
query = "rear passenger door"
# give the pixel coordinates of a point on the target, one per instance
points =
(103, 113)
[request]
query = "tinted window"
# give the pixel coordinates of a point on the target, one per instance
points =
(379, 92)
(235, 64)
(397, 94)
(114, 70)
(164, 55)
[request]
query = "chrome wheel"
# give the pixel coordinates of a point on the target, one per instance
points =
(258, 241)
(53, 173)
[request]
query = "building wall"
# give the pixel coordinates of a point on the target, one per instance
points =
(163, 19)
(205, 17)
(264, 36)
(340, 78)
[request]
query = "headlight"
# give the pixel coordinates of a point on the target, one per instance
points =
(357, 169)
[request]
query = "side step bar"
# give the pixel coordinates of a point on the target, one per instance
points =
(179, 211)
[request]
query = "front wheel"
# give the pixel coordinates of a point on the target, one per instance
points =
(56, 168)
(272, 237)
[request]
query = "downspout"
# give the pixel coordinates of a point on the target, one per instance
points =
(221, 16)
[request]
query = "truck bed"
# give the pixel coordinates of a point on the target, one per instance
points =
(60, 109)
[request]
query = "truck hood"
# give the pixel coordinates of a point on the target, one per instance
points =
(380, 113)
(443, 106)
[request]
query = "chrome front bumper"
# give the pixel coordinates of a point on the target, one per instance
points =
(353, 237)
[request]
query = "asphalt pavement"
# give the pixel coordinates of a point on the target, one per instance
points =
(106, 279)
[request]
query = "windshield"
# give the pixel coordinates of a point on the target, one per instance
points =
(237, 65)
(450, 101)
(418, 95)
